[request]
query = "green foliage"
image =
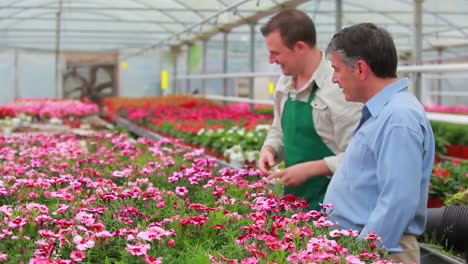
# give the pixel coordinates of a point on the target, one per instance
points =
(460, 198)
(450, 133)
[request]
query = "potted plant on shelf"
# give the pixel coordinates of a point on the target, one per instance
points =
(448, 178)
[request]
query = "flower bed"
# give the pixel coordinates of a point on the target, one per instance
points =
(461, 109)
(233, 131)
(46, 108)
(109, 199)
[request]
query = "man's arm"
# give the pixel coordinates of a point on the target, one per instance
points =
(399, 178)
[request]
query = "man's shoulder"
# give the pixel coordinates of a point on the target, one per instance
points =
(404, 110)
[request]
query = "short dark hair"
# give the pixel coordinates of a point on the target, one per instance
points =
(293, 26)
(369, 43)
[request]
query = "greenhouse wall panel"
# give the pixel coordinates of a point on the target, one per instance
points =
(7, 71)
(36, 73)
(141, 77)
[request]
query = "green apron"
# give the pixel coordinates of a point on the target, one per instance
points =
(302, 143)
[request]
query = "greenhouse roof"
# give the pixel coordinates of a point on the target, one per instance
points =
(102, 25)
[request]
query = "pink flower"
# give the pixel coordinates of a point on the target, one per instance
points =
(41, 260)
(33, 195)
(46, 233)
(328, 206)
(372, 237)
(153, 233)
(77, 255)
(17, 222)
(180, 190)
(138, 250)
(323, 222)
(219, 226)
(85, 218)
(61, 208)
(3, 257)
(351, 259)
(82, 243)
(251, 260)
(153, 260)
(118, 174)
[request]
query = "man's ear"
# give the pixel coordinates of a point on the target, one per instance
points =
(362, 69)
(300, 46)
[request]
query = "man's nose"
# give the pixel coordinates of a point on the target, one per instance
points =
(334, 78)
(272, 59)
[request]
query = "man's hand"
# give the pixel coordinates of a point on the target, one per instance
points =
(292, 176)
(299, 173)
(266, 160)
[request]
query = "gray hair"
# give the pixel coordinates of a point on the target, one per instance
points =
(368, 43)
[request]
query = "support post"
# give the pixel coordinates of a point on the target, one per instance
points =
(16, 77)
(175, 54)
(187, 69)
(225, 63)
(339, 15)
(252, 63)
(204, 64)
(417, 47)
(58, 76)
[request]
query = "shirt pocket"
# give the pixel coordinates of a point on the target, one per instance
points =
(320, 109)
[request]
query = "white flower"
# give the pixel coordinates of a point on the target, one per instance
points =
(252, 155)
(237, 157)
(263, 127)
(200, 132)
(241, 132)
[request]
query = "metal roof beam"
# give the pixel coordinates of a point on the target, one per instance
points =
(101, 31)
(68, 36)
(112, 20)
(116, 8)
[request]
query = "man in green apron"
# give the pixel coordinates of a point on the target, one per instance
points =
(312, 120)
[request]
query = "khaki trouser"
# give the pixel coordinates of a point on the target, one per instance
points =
(410, 253)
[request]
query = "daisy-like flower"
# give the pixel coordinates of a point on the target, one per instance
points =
(180, 190)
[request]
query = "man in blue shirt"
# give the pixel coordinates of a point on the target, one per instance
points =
(382, 182)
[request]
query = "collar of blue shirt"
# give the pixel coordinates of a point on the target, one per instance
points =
(378, 101)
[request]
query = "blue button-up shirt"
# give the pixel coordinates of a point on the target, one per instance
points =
(382, 182)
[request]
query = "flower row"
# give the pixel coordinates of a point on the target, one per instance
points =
(48, 108)
(461, 109)
(107, 198)
(233, 130)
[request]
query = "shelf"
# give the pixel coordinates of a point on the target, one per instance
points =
(450, 118)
